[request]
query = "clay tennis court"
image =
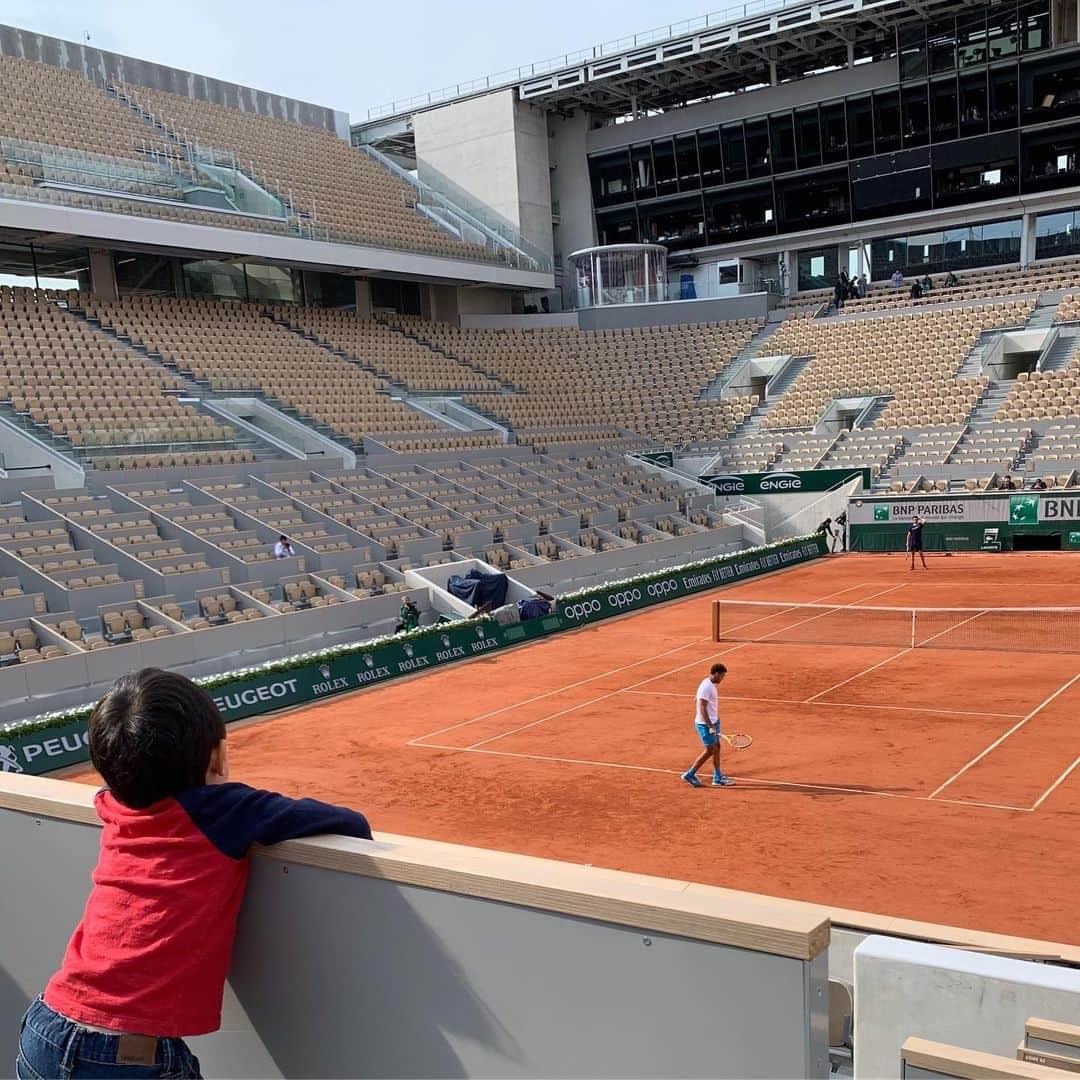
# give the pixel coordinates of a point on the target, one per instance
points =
(932, 784)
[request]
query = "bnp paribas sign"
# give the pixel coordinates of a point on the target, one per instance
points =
(783, 483)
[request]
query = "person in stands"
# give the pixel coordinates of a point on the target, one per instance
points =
(951, 280)
(283, 549)
(1008, 484)
(897, 279)
(861, 287)
(927, 284)
(1039, 485)
(915, 540)
(408, 616)
(916, 291)
(146, 965)
(532, 607)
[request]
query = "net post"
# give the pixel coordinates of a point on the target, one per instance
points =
(913, 615)
(716, 620)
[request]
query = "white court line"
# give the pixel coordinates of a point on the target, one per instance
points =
(1060, 780)
(997, 742)
(559, 690)
(602, 697)
(858, 675)
(591, 678)
(643, 682)
(833, 788)
(837, 704)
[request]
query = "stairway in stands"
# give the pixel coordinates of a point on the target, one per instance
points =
(431, 346)
(992, 398)
(196, 393)
(751, 425)
(1061, 352)
(751, 350)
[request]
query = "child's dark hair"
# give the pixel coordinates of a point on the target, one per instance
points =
(152, 735)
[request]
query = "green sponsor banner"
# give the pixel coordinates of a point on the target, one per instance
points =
(54, 745)
(1023, 509)
(1059, 512)
(780, 483)
(658, 457)
(1074, 539)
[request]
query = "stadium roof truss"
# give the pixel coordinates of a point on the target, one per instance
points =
(756, 45)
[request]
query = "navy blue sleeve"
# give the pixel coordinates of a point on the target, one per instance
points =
(235, 816)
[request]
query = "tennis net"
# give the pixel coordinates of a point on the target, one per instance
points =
(1007, 629)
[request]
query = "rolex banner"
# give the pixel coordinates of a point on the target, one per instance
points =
(53, 742)
(782, 483)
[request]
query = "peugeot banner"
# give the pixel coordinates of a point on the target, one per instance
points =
(40, 747)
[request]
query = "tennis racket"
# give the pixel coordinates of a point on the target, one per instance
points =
(737, 741)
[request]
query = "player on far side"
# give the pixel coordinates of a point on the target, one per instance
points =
(707, 722)
(914, 540)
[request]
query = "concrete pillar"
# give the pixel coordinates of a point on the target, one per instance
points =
(102, 274)
(363, 298)
(444, 304)
(312, 285)
(1027, 239)
(789, 272)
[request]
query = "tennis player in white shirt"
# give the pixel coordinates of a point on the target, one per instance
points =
(707, 723)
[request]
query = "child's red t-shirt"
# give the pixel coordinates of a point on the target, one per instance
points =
(152, 951)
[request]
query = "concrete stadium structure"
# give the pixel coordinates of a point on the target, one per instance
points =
(228, 316)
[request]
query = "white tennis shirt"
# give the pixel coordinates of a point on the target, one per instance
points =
(706, 692)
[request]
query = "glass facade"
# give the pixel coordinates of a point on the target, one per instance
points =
(207, 278)
(1057, 234)
(990, 244)
(818, 268)
(967, 123)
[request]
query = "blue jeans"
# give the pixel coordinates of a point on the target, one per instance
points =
(51, 1047)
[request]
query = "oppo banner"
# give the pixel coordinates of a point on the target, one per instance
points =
(779, 483)
(251, 694)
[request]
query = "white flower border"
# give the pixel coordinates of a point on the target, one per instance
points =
(64, 717)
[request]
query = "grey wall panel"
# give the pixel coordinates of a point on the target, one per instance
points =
(469, 987)
(674, 313)
(341, 974)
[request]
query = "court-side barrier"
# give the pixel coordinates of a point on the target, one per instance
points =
(403, 957)
(57, 740)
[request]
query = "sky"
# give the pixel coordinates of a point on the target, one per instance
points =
(347, 55)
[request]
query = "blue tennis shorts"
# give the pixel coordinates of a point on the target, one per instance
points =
(707, 734)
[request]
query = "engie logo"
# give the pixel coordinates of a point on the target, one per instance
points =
(781, 481)
(660, 589)
(728, 485)
(624, 598)
(581, 610)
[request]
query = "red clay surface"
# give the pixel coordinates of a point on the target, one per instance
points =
(939, 785)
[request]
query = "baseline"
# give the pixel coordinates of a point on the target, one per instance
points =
(998, 741)
(760, 781)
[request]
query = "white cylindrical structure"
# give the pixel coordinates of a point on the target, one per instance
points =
(620, 274)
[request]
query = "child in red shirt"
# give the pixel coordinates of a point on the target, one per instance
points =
(146, 966)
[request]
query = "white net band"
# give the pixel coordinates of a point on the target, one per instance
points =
(1006, 629)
